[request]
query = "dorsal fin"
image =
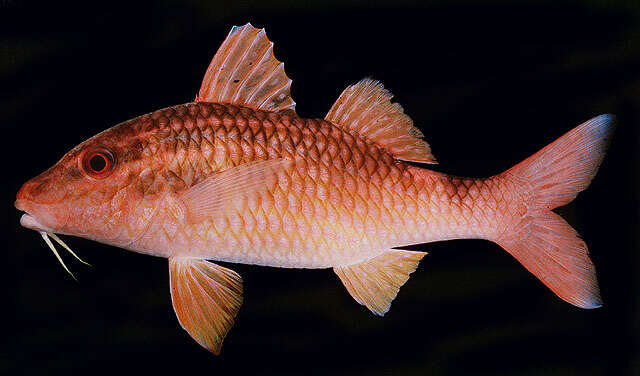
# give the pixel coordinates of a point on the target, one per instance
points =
(366, 109)
(245, 72)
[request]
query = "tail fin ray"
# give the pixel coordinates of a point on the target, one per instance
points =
(544, 242)
(564, 168)
(553, 252)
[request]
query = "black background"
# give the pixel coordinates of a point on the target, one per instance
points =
(489, 83)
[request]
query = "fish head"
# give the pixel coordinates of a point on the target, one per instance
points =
(90, 192)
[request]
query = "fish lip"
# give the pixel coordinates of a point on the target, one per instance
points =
(21, 204)
(29, 219)
(30, 222)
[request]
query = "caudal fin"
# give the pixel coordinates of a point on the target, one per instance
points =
(543, 242)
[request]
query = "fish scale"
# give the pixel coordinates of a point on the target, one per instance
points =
(358, 199)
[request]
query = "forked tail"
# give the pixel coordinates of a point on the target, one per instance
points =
(543, 242)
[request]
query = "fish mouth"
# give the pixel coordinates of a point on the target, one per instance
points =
(35, 216)
(29, 221)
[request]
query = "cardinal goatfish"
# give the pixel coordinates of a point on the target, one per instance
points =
(237, 176)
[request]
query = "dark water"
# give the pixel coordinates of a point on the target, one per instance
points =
(489, 83)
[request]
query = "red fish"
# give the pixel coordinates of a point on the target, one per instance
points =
(238, 176)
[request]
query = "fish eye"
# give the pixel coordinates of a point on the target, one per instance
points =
(97, 162)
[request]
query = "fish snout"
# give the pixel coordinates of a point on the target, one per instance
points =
(23, 197)
(40, 189)
(39, 215)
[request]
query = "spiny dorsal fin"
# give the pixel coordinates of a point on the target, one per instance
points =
(245, 72)
(375, 283)
(206, 298)
(366, 108)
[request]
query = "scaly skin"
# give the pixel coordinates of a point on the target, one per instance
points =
(345, 201)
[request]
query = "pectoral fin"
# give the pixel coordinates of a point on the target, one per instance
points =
(375, 283)
(206, 298)
(224, 191)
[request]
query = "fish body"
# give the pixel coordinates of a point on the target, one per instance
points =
(343, 200)
(238, 176)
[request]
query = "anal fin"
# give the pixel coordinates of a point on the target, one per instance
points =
(375, 283)
(206, 297)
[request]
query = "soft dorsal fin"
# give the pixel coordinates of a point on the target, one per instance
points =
(206, 298)
(375, 283)
(365, 108)
(245, 72)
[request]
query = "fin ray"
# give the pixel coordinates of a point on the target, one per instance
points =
(558, 172)
(245, 72)
(206, 298)
(375, 283)
(222, 192)
(553, 251)
(544, 242)
(366, 109)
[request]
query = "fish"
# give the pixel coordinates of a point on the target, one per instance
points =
(237, 176)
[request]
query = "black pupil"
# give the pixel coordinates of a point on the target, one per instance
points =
(98, 163)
